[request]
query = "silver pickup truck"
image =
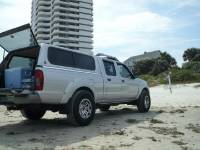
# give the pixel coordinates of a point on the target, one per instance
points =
(34, 79)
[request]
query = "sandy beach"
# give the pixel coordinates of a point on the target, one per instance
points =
(172, 123)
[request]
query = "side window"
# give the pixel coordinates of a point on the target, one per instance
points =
(84, 61)
(23, 62)
(124, 72)
(109, 68)
(60, 57)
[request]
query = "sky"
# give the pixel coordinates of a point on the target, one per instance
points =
(125, 28)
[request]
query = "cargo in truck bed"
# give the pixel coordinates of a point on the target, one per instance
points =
(18, 78)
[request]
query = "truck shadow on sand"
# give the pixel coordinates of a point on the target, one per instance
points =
(59, 132)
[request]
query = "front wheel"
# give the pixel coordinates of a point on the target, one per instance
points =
(144, 102)
(82, 108)
(33, 113)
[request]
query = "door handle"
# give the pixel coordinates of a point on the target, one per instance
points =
(123, 81)
(109, 79)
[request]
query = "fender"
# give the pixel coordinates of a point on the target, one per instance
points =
(76, 84)
(142, 85)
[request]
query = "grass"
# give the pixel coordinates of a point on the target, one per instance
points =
(12, 133)
(179, 76)
(120, 132)
(197, 86)
(85, 147)
(153, 139)
(194, 128)
(137, 138)
(34, 140)
(110, 147)
(131, 121)
(165, 131)
(156, 121)
(161, 111)
(126, 145)
(180, 111)
(179, 143)
(152, 80)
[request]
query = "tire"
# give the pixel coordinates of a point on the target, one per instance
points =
(33, 113)
(144, 102)
(82, 108)
(104, 108)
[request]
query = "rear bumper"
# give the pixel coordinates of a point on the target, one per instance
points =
(5, 102)
(8, 97)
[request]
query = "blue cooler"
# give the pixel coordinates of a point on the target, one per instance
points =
(18, 78)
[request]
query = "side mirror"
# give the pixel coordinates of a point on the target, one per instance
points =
(134, 76)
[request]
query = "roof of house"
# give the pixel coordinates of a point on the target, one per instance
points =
(145, 56)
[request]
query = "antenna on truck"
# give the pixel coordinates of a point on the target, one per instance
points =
(107, 56)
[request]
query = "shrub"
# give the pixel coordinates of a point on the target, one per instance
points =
(193, 66)
(155, 80)
(178, 76)
(150, 79)
(184, 76)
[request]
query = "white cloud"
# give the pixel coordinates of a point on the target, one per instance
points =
(182, 5)
(139, 22)
(128, 29)
(124, 27)
(197, 14)
(129, 23)
(14, 13)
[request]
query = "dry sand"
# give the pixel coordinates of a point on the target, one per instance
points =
(172, 123)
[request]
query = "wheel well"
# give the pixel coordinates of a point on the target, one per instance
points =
(146, 89)
(85, 88)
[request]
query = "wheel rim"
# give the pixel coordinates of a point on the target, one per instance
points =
(146, 102)
(85, 108)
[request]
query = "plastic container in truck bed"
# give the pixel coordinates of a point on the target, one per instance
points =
(19, 78)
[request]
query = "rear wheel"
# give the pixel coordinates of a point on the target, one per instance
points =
(104, 108)
(144, 102)
(82, 108)
(33, 113)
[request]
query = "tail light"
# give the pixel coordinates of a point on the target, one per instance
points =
(39, 80)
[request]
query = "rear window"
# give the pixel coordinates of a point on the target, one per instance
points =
(70, 59)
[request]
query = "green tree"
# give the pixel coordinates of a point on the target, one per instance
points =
(170, 60)
(155, 66)
(160, 66)
(197, 57)
(144, 66)
(191, 54)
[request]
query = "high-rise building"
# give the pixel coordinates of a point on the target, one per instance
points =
(65, 23)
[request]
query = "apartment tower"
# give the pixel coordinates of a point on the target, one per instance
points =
(64, 23)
